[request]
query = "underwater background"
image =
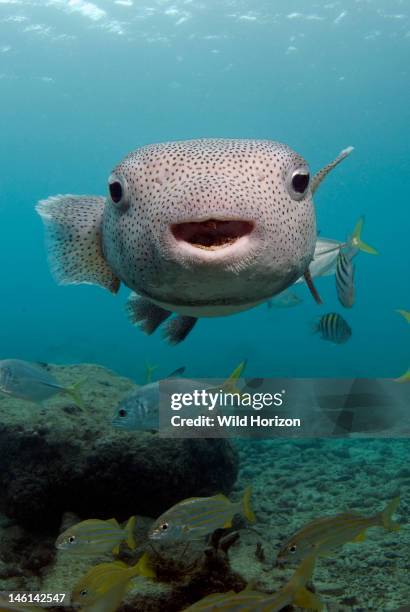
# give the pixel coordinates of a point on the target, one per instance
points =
(84, 83)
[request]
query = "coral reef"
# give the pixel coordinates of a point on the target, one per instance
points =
(58, 460)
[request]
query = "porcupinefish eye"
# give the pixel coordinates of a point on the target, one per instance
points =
(118, 192)
(298, 183)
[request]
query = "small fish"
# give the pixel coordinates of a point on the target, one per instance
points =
(31, 382)
(322, 536)
(104, 586)
(405, 314)
(327, 251)
(139, 410)
(345, 271)
(294, 592)
(96, 537)
(405, 378)
(333, 328)
(196, 517)
(286, 299)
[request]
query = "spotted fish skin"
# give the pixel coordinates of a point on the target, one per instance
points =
(248, 221)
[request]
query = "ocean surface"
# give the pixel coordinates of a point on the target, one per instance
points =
(83, 83)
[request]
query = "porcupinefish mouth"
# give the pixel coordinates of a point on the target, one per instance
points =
(211, 234)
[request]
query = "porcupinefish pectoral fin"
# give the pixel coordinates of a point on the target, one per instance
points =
(309, 281)
(178, 328)
(322, 174)
(144, 313)
(73, 237)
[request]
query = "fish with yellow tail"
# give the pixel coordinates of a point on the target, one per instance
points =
(96, 537)
(327, 250)
(405, 378)
(405, 314)
(139, 409)
(322, 536)
(196, 517)
(294, 592)
(104, 586)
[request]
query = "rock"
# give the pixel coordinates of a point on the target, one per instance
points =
(56, 459)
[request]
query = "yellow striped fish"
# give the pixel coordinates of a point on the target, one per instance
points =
(322, 536)
(294, 592)
(103, 587)
(196, 517)
(96, 537)
(333, 328)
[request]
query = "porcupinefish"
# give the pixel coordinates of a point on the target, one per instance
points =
(199, 228)
(322, 536)
(196, 517)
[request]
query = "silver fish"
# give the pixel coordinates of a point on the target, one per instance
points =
(31, 382)
(327, 251)
(139, 409)
(199, 228)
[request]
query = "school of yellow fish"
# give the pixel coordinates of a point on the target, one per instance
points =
(105, 585)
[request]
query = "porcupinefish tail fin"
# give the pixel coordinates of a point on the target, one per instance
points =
(73, 239)
(355, 241)
(144, 313)
(178, 328)
(387, 514)
(322, 174)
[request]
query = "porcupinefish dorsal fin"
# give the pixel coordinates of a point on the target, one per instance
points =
(73, 234)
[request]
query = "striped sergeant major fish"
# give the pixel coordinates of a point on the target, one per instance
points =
(333, 328)
(345, 271)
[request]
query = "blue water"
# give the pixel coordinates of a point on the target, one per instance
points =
(82, 84)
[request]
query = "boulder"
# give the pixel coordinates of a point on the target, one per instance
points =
(57, 458)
